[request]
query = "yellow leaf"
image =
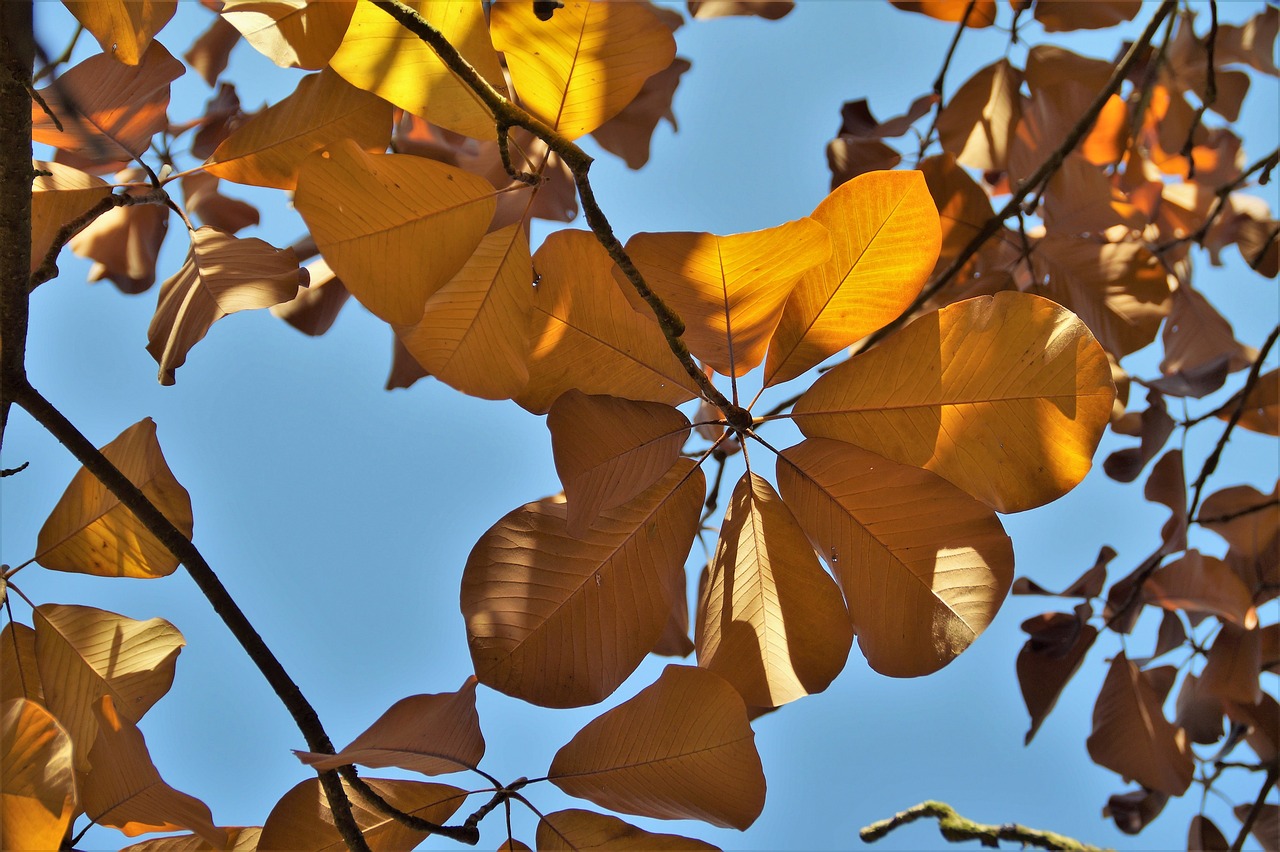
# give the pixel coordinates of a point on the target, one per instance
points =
(924, 567)
(19, 672)
(586, 336)
(730, 290)
(431, 734)
(574, 829)
(37, 780)
(124, 28)
(90, 531)
(561, 620)
(381, 56)
(1005, 396)
(473, 335)
(681, 749)
(770, 621)
(86, 653)
(291, 33)
(579, 69)
(1131, 735)
(607, 450)
(394, 227)
(56, 199)
(221, 275)
(885, 238)
(268, 149)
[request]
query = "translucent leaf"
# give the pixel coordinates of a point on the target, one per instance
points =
(37, 780)
(884, 237)
(431, 734)
(579, 69)
(86, 653)
(56, 199)
(291, 33)
(1201, 584)
(730, 291)
(268, 149)
(982, 15)
(90, 531)
(19, 674)
(221, 275)
(924, 567)
(561, 620)
(124, 243)
(124, 28)
(681, 749)
(394, 227)
(1005, 396)
(381, 56)
(607, 450)
(239, 839)
(977, 124)
(770, 621)
(568, 830)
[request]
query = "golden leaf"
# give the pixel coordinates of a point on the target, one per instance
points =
(291, 33)
(124, 28)
(37, 781)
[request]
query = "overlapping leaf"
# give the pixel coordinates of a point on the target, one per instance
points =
(290, 33)
(975, 13)
(1201, 584)
(564, 831)
(124, 29)
(214, 209)
(37, 780)
(1004, 396)
(977, 125)
(19, 672)
(1057, 646)
(680, 749)
(1231, 670)
(56, 199)
(1261, 406)
(124, 243)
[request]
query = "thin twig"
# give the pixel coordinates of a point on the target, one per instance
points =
(938, 82)
(958, 829)
(1252, 817)
(1231, 516)
(1210, 91)
(48, 269)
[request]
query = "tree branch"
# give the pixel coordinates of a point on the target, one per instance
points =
(1252, 818)
(957, 829)
(48, 269)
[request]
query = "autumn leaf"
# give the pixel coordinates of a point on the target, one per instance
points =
(19, 672)
(963, 206)
(239, 839)
(1063, 15)
(1250, 522)
(209, 54)
(315, 307)
(57, 198)
(1234, 660)
(1261, 406)
(123, 29)
(1196, 583)
(1051, 656)
(291, 34)
(680, 749)
(90, 531)
(574, 829)
(37, 780)
(977, 124)
(561, 620)
(770, 10)
(975, 13)
(221, 275)
(1196, 336)
(628, 133)
(1153, 425)
(214, 209)
(124, 243)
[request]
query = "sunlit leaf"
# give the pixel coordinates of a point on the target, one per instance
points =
(291, 33)
(221, 275)
(1063, 15)
(124, 28)
(1005, 396)
(239, 839)
(56, 199)
(19, 674)
(1253, 42)
(770, 621)
(681, 749)
(977, 124)
(982, 13)
(770, 10)
(579, 69)
(431, 734)
(1202, 584)
(1045, 667)
(607, 450)
(394, 227)
(90, 531)
(924, 567)
(730, 290)
(568, 830)
(885, 238)
(124, 243)
(37, 781)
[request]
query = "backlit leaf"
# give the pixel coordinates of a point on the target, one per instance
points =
(561, 620)
(1201, 584)
(124, 243)
(983, 13)
(56, 199)
(90, 531)
(209, 54)
(395, 228)
(37, 781)
(681, 749)
(568, 830)
(291, 33)
(770, 621)
(977, 124)
(124, 28)
(579, 69)
(239, 839)
(924, 567)
(963, 206)
(730, 290)
(1006, 396)
(770, 10)
(19, 672)
(884, 238)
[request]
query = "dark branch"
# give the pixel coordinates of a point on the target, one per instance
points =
(48, 269)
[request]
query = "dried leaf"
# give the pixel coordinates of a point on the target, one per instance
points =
(1045, 670)
(1262, 719)
(1134, 811)
(313, 310)
(963, 206)
(848, 158)
(1231, 672)
(977, 125)
(56, 199)
(563, 831)
(770, 10)
(124, 243)
(1250, 522)
(1201, 584)
(209, 54)
(1058, 16)
(1261, 405)
(213, 208)
(628, 133)
(1167, 485)
(291, 34)
(19, 674)
(1197, 335)
(37, 781)
(239, 839)
(1155, 426)
(1252, 43)
(1199, 712)
(1089, 584)
(124, 29)
(675, 641)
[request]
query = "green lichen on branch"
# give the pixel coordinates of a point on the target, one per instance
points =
(957, 829)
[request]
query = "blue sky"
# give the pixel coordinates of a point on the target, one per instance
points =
(340, 515)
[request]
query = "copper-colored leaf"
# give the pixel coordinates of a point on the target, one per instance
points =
(1201, 584)
(1134, 811)
(290, 33)
(628, 133)
(924, 567)
(221, 275)
(1005, 396)
(1044, 669)
(1231, 672)
(675, 641)
(209, 54)
(585, 334)
(1204, 836)
(86, 653)
(1252, 43)
(1266, 826)
(19, 674)
(1063, 15)
(681, 749)
(37, 781)
(394, 227)
(579, 69)
(730, 290)
(313, 310)
(982, 14)
(561, 620)
(770, 621)
(574, 829)
(770, 10)
(239, 839)
(1199, 712)
(214, 209)
(269, 148)
(124, 28)
(884, 242)
(1197, 335)
(1262, 720)
(90, 531)
(1131, 735)
(124, 243)
(1261, 406)
(607, 450)
(977, 124)
(432, 734)
(1087, 585)
(1167, 485)
(1250, 522)
(848, 157)
(963, 205)
(1154, 426)
(56, 199)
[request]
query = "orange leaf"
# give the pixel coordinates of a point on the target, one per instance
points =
(19, 672)
(564, 831)
(770, 621)
(884, 238)
(1201, 584)
(90, 531)
(37, 781)
(1006, 396)
(124, 28)
(56, 199)
(124, 243)
(731, 290)
(291, 34)
(607, 450)
(221, 275)
(924, 567)
(561, 620)
(977, 124)
(431, 734)
(681, 749)
(983, 13)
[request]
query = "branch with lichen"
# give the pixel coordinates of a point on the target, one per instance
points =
(958, 829)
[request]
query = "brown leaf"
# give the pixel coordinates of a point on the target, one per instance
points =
(1079, 199)
(1132, 812)
(554, 198)
(37, 779)
(1196, 335)
(1088, 585)
(1231, 672)
(222, 114)
(1266, 827)
(221, 275)
(1167, 485)
(628, 133)
(213, 208)
(848, 157)
(1250, 522)
(680, 749)
(315, 308)
(124, 243)
(1261, 406)
(1063, 15)
(1045, 668)
(56, 199)
(1252, 43)
(675, 641)
(1270, 643)
(1154, 425)
(858, 122)
(405, 369)
(291, 35)
(1262, 718)
(19, 675)
(239, 839)
(1171, 635)
(563, 831)
(977, 124)
(1198, 711)
(123, 29)
(963, 206)
(769, 9)
(1201, 584)
(209, 54)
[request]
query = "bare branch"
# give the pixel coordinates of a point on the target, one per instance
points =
(957, 829)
